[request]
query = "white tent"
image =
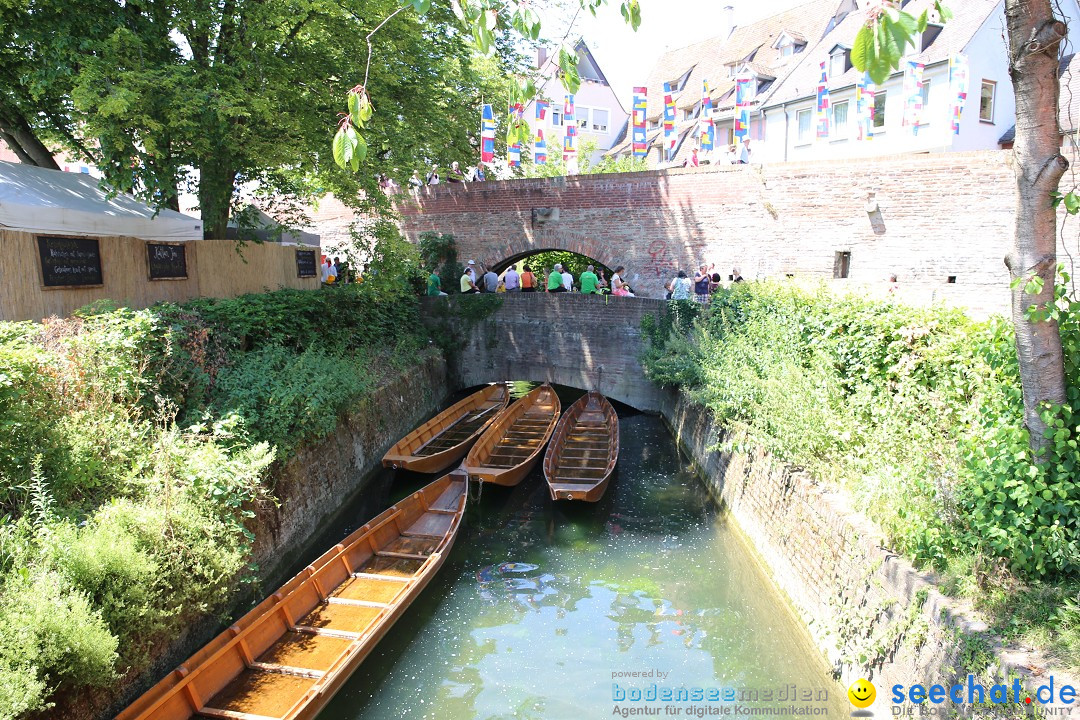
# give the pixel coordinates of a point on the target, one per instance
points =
(37, 200)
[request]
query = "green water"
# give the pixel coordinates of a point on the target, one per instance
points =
(650, 578)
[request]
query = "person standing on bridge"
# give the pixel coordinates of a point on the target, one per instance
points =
(555, 280)
(512, 280)
(680, 287)
(567, 281)
(491, 281)
(589, 282)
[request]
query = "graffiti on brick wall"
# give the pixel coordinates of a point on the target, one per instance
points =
(660, 261)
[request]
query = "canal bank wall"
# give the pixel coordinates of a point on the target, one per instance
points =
(312, 489)
(869, 611)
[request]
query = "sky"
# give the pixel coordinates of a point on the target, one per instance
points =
(626, 57)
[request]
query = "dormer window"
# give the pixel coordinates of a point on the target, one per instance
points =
(732, 70)
(839, 60)
(930, 34)
(679, 83)
(789, 43)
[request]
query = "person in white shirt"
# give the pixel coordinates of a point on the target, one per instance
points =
(512, 280)
(567, 280)
(325, 268)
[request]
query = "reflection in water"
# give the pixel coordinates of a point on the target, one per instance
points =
(541, 602)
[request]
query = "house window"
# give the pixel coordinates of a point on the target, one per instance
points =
(731, 70)
(804, 118)
(787, 50)
(691, 113)
(986, 101)
(930, 34)
(839, 114)
(879, 109)
(925, 100)
(582, 116)
(654, 124)
(600, 120)
(838, 64)
(556, 118)
(842, 264)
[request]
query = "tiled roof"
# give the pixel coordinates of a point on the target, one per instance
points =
(1069, 102)
(968, 17)
(753, 43)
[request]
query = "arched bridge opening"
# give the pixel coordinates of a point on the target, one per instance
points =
(590, 342)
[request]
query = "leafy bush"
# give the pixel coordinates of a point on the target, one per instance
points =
(918, 411)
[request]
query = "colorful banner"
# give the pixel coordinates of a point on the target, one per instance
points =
(570, 121)
(487, 135)
(823, 104)
(864, 107)
(742, 105)
(708, 128)
(640, 138)
(913, 100)
(958, 89)
(513, 155)
(539, 142)
(669, 123)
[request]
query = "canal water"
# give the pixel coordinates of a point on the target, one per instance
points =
(545, 610)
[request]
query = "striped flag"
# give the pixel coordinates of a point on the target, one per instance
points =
(639, 137)
(669, 123)
(513, 155)
(864, 107)
(913, 100)
(539, 142)
(742, 105)
(958, 89)
(487, 135)
(570, 121)
(823, 104)
(708, 129)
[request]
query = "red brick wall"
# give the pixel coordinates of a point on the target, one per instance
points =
(939, 215)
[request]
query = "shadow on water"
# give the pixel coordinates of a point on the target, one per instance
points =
(540, 603)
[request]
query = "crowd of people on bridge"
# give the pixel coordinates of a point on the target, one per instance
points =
(481, 278)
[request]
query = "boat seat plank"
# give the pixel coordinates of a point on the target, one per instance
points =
(450, 498)
(382, 578)
(336, 616)
(305, 651)
(432, 524)
(420, 536)
(368, 590)
(257, 692)
(405, 556)
(229, 715)
(395, 567)
(288, 670)
(323, 632)
(358, 603)
(415, 545)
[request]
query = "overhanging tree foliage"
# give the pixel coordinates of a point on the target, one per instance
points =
(164, 94)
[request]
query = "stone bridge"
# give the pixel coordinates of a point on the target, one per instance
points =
(590, 342)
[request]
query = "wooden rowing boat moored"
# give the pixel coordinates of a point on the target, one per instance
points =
(286, 658)
(583, 451)
(444, 439)
(509, 449)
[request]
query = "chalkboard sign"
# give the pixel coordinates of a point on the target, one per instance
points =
(305, 264)
(70, 262)
(167, 262)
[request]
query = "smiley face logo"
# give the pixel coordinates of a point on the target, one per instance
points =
(861, 693)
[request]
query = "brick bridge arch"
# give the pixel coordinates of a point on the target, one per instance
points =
(521, 247)
(585, 341)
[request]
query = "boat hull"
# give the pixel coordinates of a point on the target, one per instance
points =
(411, 452)
(287, 657)
(511, 447)
(583, 451)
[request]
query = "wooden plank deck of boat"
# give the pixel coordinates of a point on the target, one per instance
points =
(444, 440)
(286, 658)
(583, 451)
(508, 449)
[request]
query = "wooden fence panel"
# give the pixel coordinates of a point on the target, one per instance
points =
(214, 268)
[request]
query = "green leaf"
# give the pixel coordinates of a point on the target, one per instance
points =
(361, 150)
(944, 13)
(1072, 203)
(923, 20)
(863, 49)
(354, 109)
(342, 148)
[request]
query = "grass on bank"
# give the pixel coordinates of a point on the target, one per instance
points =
(134, 448)
(918, 413)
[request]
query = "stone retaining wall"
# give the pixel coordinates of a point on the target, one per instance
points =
(867, 609)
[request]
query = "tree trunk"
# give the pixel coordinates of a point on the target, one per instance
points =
(1034, 41)
(20, 137)
(216, 187)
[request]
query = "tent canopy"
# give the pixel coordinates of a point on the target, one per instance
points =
(37, 200)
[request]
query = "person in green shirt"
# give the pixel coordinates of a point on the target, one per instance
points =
(434, 285)
(588, 281)
(555, 283)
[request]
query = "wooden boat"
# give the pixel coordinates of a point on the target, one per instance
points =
(583, 451)
(509, 449)
(286, 658)
(444, 439)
